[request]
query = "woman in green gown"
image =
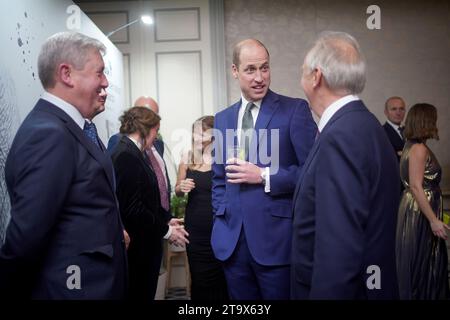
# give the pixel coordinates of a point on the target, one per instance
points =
(420, 244)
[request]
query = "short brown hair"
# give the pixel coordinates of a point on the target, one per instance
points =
(138, 119)
(420, 123)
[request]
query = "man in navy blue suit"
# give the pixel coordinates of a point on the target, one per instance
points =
(65, 239)
(346, 200)
(395, 110)
(252, 198)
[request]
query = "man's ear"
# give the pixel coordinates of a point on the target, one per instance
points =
(317, 77)
(64, 73)
(234, 70)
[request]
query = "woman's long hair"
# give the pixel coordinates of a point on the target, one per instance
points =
(195, 158)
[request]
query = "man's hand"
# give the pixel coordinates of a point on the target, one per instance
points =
(240, 171)
(179, 236)
(126, 237)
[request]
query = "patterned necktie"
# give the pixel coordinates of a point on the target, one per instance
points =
(161, 179)
(247, 128)
(91, 132)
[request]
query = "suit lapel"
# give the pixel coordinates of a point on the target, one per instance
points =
(95, 152)
(232, 120)
(76, 131)
(349, 107)
(394, 134)
(306, 165)
(268, 108)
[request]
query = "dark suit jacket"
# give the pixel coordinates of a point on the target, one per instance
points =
(266, 217)
(396, 142)
(63, 213)
(159, 146)
(345, 211)
(114, 140)
(142, 215)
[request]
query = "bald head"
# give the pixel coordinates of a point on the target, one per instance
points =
(147, 102)
(395, 109)
(247, 43)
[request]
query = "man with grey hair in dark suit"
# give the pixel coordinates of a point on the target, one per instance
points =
(65, 239)
(346, 200)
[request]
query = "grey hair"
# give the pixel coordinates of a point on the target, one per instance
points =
(65, 47)
(339, 57)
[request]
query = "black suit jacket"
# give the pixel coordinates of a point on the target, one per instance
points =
(159, 146)
(142, 215)
(64, 213)
(396, 142)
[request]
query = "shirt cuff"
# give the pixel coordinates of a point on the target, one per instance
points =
(169, 233)
(267, 186)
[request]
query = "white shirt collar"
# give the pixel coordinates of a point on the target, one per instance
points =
(71, 111)
(245, 102)
(137, 143)
(393, 125)
(333, 108)
(396, 128)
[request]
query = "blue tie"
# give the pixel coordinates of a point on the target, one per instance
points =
(91, 132)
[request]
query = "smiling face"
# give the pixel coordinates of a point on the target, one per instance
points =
(90, 85)
(253, 71)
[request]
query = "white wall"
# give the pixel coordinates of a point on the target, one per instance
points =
(23, 28)
(409, 56)
(170, 61)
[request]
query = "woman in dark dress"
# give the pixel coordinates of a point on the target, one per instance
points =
(139, 202)
(195, 178)
(420, 246)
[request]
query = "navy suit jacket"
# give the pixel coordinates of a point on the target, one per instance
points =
(64, 213)
(396, 142)
(266, 217)
(345, 211)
